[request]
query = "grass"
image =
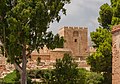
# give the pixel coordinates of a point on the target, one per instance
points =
(10, 78)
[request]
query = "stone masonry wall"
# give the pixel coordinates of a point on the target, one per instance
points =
(116, 55)
(58, 54)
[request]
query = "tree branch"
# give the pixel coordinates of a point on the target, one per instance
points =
(28, 53)
(18, 67)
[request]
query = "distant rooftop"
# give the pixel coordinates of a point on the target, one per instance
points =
(60, 49)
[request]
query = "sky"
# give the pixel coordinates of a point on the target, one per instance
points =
(80, 13)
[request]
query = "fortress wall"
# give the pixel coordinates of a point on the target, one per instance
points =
(116, 55)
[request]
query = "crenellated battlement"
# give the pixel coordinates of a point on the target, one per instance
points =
(74, 28)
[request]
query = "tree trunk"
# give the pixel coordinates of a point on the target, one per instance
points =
(24, 61)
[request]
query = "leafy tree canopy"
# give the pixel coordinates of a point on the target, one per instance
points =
(23, 26)
(65, 71)
(94, 78)
(109, 14)
(24, 22)
(106, 14)
(101, 60)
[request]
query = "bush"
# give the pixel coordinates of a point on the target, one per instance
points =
(82, 76)
(14, 78)
(1, 81)
(66, 71)
(11, 78)
(45, 75)
(94, 78)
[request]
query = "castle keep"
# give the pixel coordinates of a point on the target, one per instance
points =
(76, 39)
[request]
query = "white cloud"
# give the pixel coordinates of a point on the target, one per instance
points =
(80, 13)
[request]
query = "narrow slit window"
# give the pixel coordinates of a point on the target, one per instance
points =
(75, 40)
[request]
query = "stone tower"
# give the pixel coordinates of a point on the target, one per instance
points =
(116, 55)
(76, 39)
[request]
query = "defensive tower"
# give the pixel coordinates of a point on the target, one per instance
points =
(76, 39)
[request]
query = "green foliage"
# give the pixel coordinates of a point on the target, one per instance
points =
(26, 22)
(1, 81)
(87, 77)
(106, 14)
(23, 26)
(48, 76)
(82, 76)
(109, 14)
(101, 60)
(100, 36)
(11, 78)
(94, 78)
(116, 12)
(36, 73)
(107, 78)
(65, 71)
(44, 75)
(14, 78)
(52, 41)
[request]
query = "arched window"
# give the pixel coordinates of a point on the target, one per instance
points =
(75, 34)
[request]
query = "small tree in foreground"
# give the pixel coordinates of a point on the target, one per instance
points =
(65, 71)
(94, 78)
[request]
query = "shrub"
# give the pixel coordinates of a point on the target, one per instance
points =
(14, 78)
(10, 78)
(66, 71)
(94, 78)
(82, 76)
